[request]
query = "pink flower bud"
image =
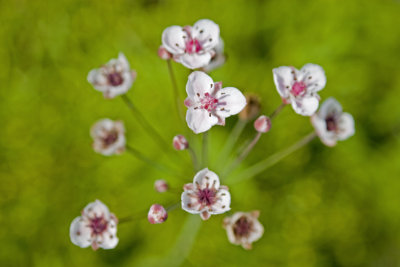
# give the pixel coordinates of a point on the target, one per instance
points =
(157, 214)
(163, 53)
(180, 143)
(262, 124)
(161, 186)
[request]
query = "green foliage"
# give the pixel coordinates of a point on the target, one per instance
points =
(320, 206)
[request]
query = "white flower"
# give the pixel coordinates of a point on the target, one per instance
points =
(205, 196)
(331, 123)
(114, 78)
(218, 59)
(208, 103)
(96, 227)
(108, 136)
(192, 46)
(300, 87)
(243, 228)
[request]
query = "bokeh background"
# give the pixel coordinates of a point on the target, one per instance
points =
(320, 206)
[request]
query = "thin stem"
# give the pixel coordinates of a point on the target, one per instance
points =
(204, 160)
(143, 122)
(277, 111)
(177, 98)
(243, 155)
(194, 158)
(152, 163)
(172, 207)
(232, 139)
(273, 159)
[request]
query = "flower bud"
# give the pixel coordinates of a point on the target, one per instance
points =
(161, 186)
(163, 53)
(262, 124)
(180, 143)
(252, 109)
(157, 214)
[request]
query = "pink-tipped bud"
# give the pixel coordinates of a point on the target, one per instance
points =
(157, 214)
(163, 53)
(161, 186)
(262, 124)
(180, 143)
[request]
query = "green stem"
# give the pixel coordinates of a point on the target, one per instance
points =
(194, 158)
(272, 160)
(177, 98)
(152, 163)
(277, 111)
(242, 156)
(144, 123)
(204, 161)
(232, 139)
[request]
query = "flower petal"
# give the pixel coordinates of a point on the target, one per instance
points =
(198, 83)
(207, 33)
(206, 179)
(173, 39)
(326, 137)
(98, 80)
(79, 233)
(190, 203)
(313, 76)
(283, 79)
(195, 61)
(223, 204)
(109, 241)
(305, 106)
(199, 120)
(230, 101)
(97, 209)
(123, 63)
(218, 59)
(329, 107)
(257, 231)
(346, 126)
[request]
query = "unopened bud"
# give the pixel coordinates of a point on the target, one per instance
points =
(157, 214)
(262, 124)
(252, 109)
(161, 186)
(163, 53)
(180, 143)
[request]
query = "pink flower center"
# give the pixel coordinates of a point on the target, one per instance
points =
(206, 196)
(208, 102)
(110, 138)
(331, 124)
(193, 46)
(242, 227)
(298, 88)
(115, 79)
(98, 225)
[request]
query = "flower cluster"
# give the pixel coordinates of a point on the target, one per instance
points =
(200, 48)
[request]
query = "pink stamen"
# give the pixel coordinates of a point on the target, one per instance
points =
(206, 196)
(209, 102)
(298, 88)
(98, 225)
(193, 46)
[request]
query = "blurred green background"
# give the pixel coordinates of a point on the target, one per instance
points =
(320, 206)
